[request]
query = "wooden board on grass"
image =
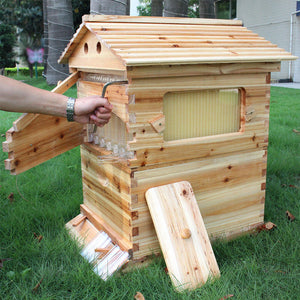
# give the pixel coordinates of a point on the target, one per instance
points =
(182, 235)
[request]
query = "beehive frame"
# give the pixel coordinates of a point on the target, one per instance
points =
(161, 56)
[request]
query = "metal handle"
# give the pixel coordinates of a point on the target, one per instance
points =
(110, 83)
(104, 91)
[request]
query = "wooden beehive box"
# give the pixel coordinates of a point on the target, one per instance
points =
(196, 108)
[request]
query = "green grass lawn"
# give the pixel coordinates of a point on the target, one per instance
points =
(260, 266)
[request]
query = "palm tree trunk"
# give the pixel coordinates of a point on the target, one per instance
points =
(60, 31)
(176, 8)
(128, 8)
(156, 7)
(45, 36)
(207, 9)
(109, 7)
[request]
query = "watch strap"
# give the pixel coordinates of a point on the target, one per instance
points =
(70, 109)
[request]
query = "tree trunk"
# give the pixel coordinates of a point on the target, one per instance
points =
(109, 7)
(156, 7)
(45, 36)
(176, 8)
(207, 9)
(60, 31)
(128, 8)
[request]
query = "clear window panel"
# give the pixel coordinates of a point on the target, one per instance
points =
(201, 113)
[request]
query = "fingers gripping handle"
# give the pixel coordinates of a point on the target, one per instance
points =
(104, 91)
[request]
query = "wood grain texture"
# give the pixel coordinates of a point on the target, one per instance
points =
(134, 19)
(230, 199)
(201, 69)
(116, 95)
(142, 41)
(182, 235)
(36, 138)
(158, 56)
(91, 59)
(44, 138)
(106, 190)
(102, 225)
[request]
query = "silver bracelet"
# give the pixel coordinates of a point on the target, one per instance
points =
(70, 109)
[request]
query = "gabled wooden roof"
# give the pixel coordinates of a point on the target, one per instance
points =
(156, 40)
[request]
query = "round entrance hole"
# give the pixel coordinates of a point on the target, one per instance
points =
(86, 48)
(99, 48)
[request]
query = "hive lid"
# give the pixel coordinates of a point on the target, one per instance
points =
(140, 41)
(182, 235)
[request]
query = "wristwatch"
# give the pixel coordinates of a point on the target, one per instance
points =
(70, 109)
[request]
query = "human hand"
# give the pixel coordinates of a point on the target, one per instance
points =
(93, 110)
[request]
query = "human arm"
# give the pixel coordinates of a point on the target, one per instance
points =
(16, 96)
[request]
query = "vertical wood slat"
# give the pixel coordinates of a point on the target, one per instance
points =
(182, 235)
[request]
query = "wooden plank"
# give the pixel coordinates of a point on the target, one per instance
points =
(158, 123)
(142, 245)
(202, 147)
(253, 132)
(201, 69)
(120, 74)
(221, 209)
(150, 104)
(99, 249)
(101, 225)
(173, 31)
(223, 37)
(230, 200)
(116, 95)
(112, 28)
(206, 173)
(199, 51)
(36, 138)
(80, 33)
(106, 190)
(170, 42)
(203, 59)
(145, 132)
(23, 121)
(79, 220)
(187, 46)
(84, 232)
(44, 138)
(66, 84)
(119, 219)
(157, 87)
(90, 58)
(182, 235)
(127, 39)
(168, 20)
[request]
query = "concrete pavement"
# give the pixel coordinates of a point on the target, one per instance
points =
(291, 85)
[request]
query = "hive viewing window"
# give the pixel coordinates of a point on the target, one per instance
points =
(201, 113)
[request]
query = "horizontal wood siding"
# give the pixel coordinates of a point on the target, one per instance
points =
(106, 190)
(227, 171)
(149, 145)
(229, 191)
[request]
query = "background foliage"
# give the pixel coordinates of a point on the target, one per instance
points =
(7, 42)
(223, 8)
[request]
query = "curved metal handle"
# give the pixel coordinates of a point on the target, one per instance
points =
(110, 83)
(104, 91)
